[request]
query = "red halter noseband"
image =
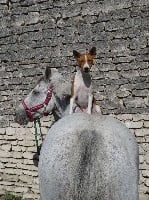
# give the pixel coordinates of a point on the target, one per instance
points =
(39, 106)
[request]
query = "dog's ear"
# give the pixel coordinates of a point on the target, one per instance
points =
(48, 73)
(76, 54)
(93, 51)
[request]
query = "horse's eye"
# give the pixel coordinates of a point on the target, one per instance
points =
(35, 92)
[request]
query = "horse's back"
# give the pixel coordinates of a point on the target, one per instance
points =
(89, 157)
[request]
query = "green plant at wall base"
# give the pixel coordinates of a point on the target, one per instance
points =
(9, 196)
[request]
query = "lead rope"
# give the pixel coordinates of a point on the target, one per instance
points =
(39, 123)
(36, 134)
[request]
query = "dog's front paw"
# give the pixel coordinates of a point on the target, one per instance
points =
(89, 112)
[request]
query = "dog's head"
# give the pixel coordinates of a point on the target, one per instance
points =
(85, 60)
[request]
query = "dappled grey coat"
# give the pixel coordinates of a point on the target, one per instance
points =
(89, 157)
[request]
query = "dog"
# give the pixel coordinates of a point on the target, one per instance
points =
(81, 89)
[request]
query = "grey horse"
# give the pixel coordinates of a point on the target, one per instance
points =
(89, 157)
(34, 106)
(83, 157)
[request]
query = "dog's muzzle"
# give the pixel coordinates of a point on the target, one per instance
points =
(86, 69)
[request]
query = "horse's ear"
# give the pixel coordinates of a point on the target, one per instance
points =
(93, 51)
(48, 73)
(76, 54)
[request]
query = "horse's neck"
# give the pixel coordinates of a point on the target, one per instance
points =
(62, 91)
(62, 106)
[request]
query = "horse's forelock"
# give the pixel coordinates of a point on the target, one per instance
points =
(38, 81)
(61, 86)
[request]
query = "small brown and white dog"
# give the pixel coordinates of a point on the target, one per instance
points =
(81, 90)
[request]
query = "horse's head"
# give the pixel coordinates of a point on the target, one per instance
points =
(42, 99)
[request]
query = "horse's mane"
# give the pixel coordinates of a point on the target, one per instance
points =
(62, 87)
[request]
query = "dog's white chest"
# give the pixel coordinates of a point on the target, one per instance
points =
(81, 89)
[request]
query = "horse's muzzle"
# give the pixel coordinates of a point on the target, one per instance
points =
(20, 118)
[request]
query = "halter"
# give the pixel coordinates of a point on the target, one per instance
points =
(39, 106)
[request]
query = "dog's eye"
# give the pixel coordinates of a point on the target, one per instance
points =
(35, 92)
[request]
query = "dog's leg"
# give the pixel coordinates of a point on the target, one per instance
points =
(97, 109)
(90, 101)
(71, 105)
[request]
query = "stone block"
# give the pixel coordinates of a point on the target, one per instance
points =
(143, 166)
(10, 137)
(28, 162)
(30, 173)
(11, 160)
(141, 159)
(12, 171)
(140, 139)
(32, 18)
(26, 179)
(147, 182)
(3, 2)
(27, 167)
(140, 93)
(141, 150)
(134, 102)
(137, 43)
(122, 94)
(139, 117)
(6, 147)
(113, 75)
(17, 154)
(28, 155)
(114, 25)
(2, 131)
(1, 167)
(145, 173)
(10, 131)
(30, 196)
(15, 125)
(21, 133)
(10, 178)
(147, 158)
(14, 143)
(32, 149)
(147, 139)
(141, 132)
(146, 100)
(21, 189)
(10, 165)
(16, 148)
(143, 196)
(36, 181)
(131, 124)
(124, 59)
(145, 146)
(146, 124)
(130, 74)
(5, 154)
(26, 143)
(7, 183)
(124, 116)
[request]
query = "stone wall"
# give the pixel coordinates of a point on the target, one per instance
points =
(39, 33)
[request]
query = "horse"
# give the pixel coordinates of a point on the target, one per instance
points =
(89, 157)
(50, 95)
